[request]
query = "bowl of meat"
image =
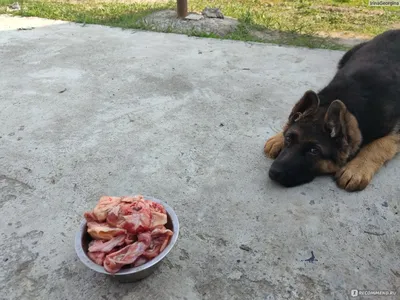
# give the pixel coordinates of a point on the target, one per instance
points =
(127, 237)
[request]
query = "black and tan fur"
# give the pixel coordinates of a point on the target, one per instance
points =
(351, 127)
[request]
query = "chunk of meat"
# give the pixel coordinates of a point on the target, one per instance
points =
(115, 217)
(136, 205)
(104, 205)
(103, 231)
(145, 237)
(160, 237)
(132, 199)
(97, 257)
(101, 246)
(140, 261)
(90, 217)
(140, 204)
(156, 207)
(139, 220)
(125, 209)
(158, 214)
(130, 238)
(158, 219)
(127, 255)
(112, 215)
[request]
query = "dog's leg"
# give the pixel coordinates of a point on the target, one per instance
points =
(358, 173)
(274, 145)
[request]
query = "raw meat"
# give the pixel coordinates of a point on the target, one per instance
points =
(103, 231)
(126, 231)
(160, 237)
(97, 257)
(104, 205)
(128, 255)
(137, 222)
(90, 217)
(126, 208)
(114, 216)
(132, 199)
(158, 215)
(145, 237)
(158, 219)
(101, 246)
(130, 238)
(140, 261)
(157, 207)
(139, 217)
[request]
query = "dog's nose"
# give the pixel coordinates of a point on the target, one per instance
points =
(275, 174)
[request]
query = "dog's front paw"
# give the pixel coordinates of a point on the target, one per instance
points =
(274, 145)
(354, 177)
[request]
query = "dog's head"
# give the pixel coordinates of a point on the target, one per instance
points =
(318, 140)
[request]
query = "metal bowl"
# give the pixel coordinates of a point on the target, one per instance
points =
(82, 240)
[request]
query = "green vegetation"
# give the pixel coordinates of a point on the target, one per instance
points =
(296, 22)
(90, 12)
(310, 17)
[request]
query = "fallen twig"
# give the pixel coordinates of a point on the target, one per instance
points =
(374, 233)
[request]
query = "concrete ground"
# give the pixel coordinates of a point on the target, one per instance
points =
(91, 111)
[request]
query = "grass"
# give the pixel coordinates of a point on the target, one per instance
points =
(297, 22)
(107, 13)
(310, 17)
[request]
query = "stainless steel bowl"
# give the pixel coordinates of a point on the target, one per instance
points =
(82, 239)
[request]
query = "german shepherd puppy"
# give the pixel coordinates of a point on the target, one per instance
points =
(351, 127)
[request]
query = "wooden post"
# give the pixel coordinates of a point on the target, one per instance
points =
(182, 8)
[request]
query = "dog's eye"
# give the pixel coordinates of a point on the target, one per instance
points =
(287, 140)
(314, 151)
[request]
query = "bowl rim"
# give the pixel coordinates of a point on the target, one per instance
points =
(100, 269)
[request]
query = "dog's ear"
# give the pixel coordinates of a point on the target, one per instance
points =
(306, 106)
(335, 122)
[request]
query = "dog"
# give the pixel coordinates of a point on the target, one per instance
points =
(351, 127)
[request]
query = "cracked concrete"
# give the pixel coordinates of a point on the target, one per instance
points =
(185, 120)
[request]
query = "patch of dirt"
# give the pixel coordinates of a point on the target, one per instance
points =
(344, 35)
(354, 10)
(395, 26)
(266, 35)
(167, 21)
(343, 39)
